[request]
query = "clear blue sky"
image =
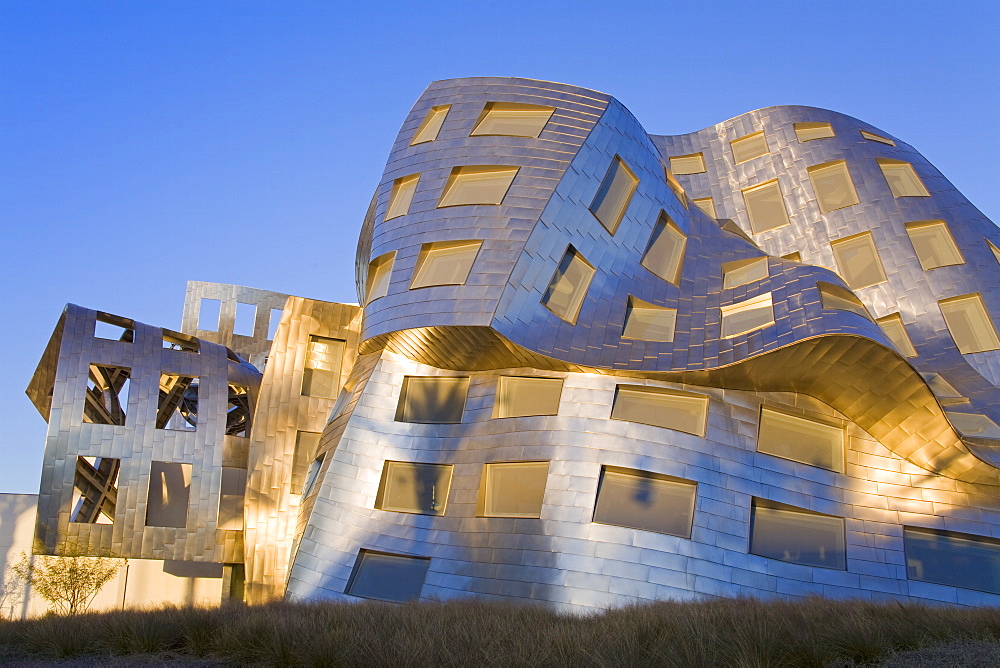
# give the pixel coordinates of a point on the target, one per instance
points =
(146, 143)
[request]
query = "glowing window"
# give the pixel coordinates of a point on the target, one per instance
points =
(809, 131)
(661, 407)
(801, 439)
(321, 376)
(514, 489)
(401, 196)
(512, 120)
(408, 487)
(894, 328)
(568, 286)
(379, 273)
(742, 272)
(933, 244)
(231, 494)
(387, 577)
(797, 535)
(952, 559)
(706, 204)
(522, 396)
(479, 184)
(833, 186)
(649, 322)
(858, 261)
(107, 394)
(838, 298)
(687, 164)
(969, 324)
(973, 425)
(432, 399)
(444, 263)
(614, 195)
(747, 316)
(766, 207)
(431, 125)
(665, 252)
(646, 501)
(169, 493)
(749, 147)
(871, 136)
(903, 180)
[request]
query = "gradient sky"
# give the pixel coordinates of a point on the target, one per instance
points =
(143, 144)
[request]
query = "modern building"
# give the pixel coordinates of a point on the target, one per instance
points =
(593, 366)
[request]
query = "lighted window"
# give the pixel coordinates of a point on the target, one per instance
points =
(521, 396)
(747, 316)
(903, 180)
(750, 147)
(833, 186)
(661, 407)
(797, 535)
(838, 298)
(387, 577)
(177, 408)
(810, 131)
(952, 559)
(613, 196)
(973, 425)
(444, 263)
(706, 204)
(649, 322)
(432, 399)
(514, 489)
(969, 323)
(894, 328)
(933, 244)
(742, 272)
(858, 261)
(169, 494)
(687, 164)
(871, 136)
(665, 252)
(95, 490)
(800, 439)
(401, 196)
(306, 445)
(478, 184)
(408, 487)
(512, 120)
(996, 251)
(234, 484)
(766, 207)
(209, 312)
(431, 125)
(379, 273)
(568, 286)
(321, 376)
(107, 394)
(646, 501)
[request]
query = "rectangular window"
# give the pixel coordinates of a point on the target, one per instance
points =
(95, 490)
(568, 286)
(321, 375)
(973, 425)
(706, 204)
(749, 147)
(512, 120)
(809, 131)
(747, 316)
(800, 439)
(952, 559)
(832, 184)
(676, 188)
(793, 257)
(209, 311)
(742, 272)
(871, 136)
(107, 394)
(169, 494)
(431, 125)
(858, 260)
(113, 328)
(943, 390)
(894, 328)
(664, 254)
(379, 273)
(661, 407)
(306, 445)
(902, 178)
(614, 195)
(933, 244)
(838, 298)
(387, 577)
(432, 399)
(969, 323)
(177, 408)
(234, 485)
(477, 184)
(514, 489)
(408, 487)
(646, 501)
(522, 396)
(649, 322)
(313, 475)
(246, 316)
(401, 196)
(687, 164)
(444, 263)
(273, 322)
(797, 535)
(766, 207)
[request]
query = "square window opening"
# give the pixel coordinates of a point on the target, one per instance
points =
(444, 263)
(95, 490)
(169, 495)
(477, 184)
(645, 501)
(107, 395)
(527, 396)
(432, 399)
(661, 407)
(415, 488)
(431, 125)
(513, 489)
(177, 408)
(387, 577)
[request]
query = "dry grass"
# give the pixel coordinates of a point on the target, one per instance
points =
(740, 632)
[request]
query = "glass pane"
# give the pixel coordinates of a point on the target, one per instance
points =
(568, 286)
(941, 388)
(798, 536)
(933, 244)
(743, 272)
(648, 322)
(650, 503)
(766, 207)
(747, 316)
(401, 196)
(515, 489)
(974, 426)
(706, 204)
(513, 120)
(969, 324)
(671, 409)
(801, 440)
(321, 376)
(903, 180)
(379, 273)
(858, 261)
(750, 147)
(665, 253)
(894, 328)
(477, 185)
(445, 264)
(414, 488)
(431, 125)
(234, 483)
(839, 298)
(833, 186)
(388, 577)
(432, 399)
(956, 560)
(313, 475)
(613, 196)
(871, 136)
(687, 164)
(810, 131)
(519, 396)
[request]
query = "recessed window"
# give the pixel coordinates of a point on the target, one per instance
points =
(945, 393)
(742, 272)
(306, 445)
(444, 263)
(408, 487)
(871, 136)
(313, 475)
(379, 273)
(661, 407)
(733, 228)
(809, 131)
(514, 489)
(973, 425)
(177, 341)
(432, 399)
(238, 412)
(797, 535)
(894, 328)
(321, 375)
(766, 207)
(401, 196)
(107, 394)
(793, 257)
(687, 164)
(996, 251)
(903, 180)
(387, 577)
(649, 322)
(749, 147)
(568, 286)
(209, 311)
(177, 408)
(246, 316)
(95, 490)
(114, 328)
(431, 125)
(969, 323)
(952, 559)
(933, 244)
(477, 184)
(512, 120)
(169, 494)
(858, 261)
(234, 485)
(832, 184)
(800, 439)
(706, 204)
(838, 298)
(747, 316)
(522, 396)
(676, 188)
(664, 254)
(613, 196)
(646, 501)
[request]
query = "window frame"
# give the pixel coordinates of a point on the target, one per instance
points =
(502, 107)
(487, 509)
(700, 157)
(617, 213)
(385, 487)
(647, 475)
(842, 266)
(749, 140)
(753, 304)
(840, 168)
(760, 188)
(839, 459)
(426, 259)
(429, 120)
(684, 395)
(455, 181)
(941, 227)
